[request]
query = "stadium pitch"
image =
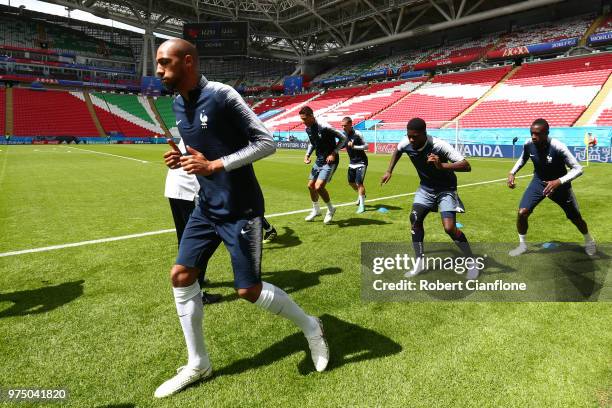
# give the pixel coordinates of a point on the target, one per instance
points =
(99, 321)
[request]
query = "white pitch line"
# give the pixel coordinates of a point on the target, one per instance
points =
(108, 154)
(165, 231)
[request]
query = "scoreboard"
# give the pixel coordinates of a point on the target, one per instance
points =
(218, 39)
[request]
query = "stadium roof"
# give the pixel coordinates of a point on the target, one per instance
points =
(308, 29)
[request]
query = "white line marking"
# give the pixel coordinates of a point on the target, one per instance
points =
(165, 231)
(109, 154)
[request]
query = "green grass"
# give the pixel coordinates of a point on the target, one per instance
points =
(100, 319)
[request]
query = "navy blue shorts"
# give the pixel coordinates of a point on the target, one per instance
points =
(323, 172)
(357, 175)
(242, 238)
(563, 196)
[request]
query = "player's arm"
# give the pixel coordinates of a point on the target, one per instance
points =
(456, 161)
(362, 144)
(395, 156)
(517, 166)
(309, 151)
(261, 143)
(341, 141)
(575, 170)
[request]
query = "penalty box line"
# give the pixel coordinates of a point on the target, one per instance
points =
(166, 231)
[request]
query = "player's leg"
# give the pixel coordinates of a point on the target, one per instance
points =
(420, 209)
(243, 241)
(181, 211)
(351, 173)
(359, 180)
(197, 245)
(449, 222)
(314, 195)
(566, 199)
(269, 231)
(532, 196)
(325, 176)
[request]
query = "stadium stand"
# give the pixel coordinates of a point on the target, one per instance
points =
(284, 102)
(376, 98)
(475, 48)
(124, 114)
(36, 34)
(539, 33)
(558, 90)
(163, 104)
(2, 112)
(51, 113)
(319, 105)
(445, 97)
(606, 25)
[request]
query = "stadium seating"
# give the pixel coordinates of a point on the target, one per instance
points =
(124, 114)
(319, 105)
(51, 113)
(2, 111)
(445, 97)
(284, 102)
(376, 98)
(36, 34)
(558, 90)
(462, 48)
(539, 33)
(604, 114)
(163, 104)
(605, 25)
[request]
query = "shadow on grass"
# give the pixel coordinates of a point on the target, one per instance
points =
(130, 405)
(287, 239)
(290, 281)
(358, 222)
(40, 300)
(348, 343)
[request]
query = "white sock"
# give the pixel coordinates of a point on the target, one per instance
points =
(361, 200)
(522, 239)
(315, 206)
(330, 206)
(587, 237)
(191, 313)
(275, 300)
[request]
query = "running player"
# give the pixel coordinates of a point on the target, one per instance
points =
(223, 137)
(322, 139)
(356, 148)
(551, 179)
(436, 162)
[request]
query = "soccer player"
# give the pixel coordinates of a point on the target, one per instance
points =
(551, 179)
(356, 148)
(181, 190)
(322, 139)
(436, 162)
(223, 137)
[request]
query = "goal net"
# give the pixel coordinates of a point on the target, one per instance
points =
(390, 133)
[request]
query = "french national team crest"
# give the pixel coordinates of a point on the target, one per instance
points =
(204, 120)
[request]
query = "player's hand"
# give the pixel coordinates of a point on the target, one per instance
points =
(435, 160)
(551, 186)
(197, 163)
(172, 158)
(350, 144)
(306, 160)
(511, 183)
(385, 178)
(330, 159)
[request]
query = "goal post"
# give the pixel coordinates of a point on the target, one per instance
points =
(393, 132)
